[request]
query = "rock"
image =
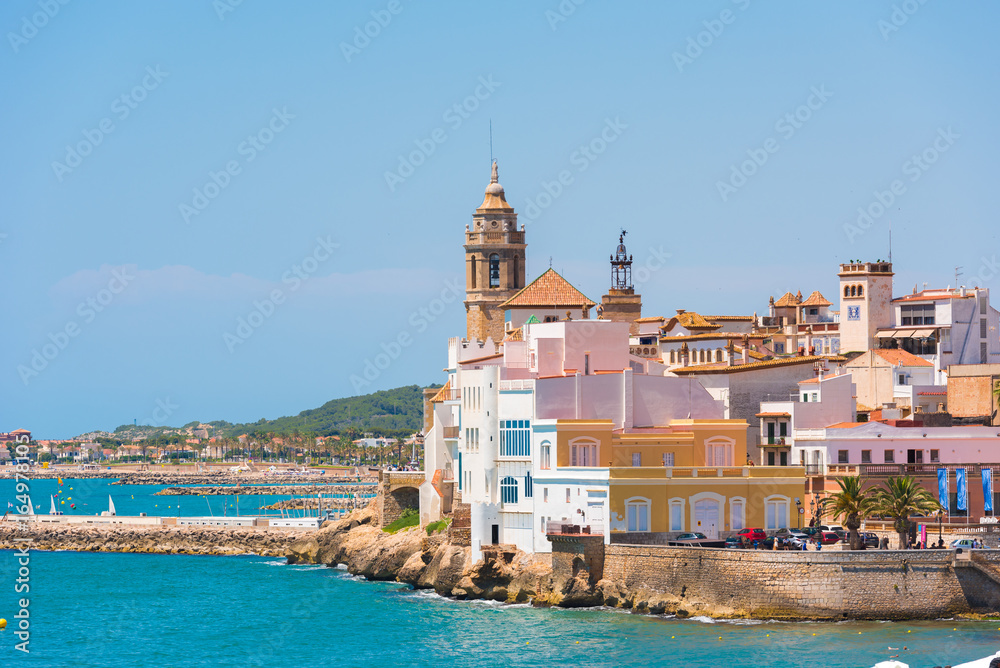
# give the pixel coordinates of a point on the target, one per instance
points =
(413, 569)
(445, 569)
(303, 551)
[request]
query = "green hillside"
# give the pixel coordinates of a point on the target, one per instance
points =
(397, 410)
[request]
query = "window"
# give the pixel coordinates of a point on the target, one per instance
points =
(567, 495)
(866, 456)
(847, 291)
(515, 438)
(775, 513)
(718, 453)
(916, 314)
(736, 515)
(782, 429)
(636, 459)
(815, 396)
(545, 494)
(494, 271)
(586, 364)
(528, 482)
(861, 291)
(805, 397)
(546, 455)
(677, 515)
(668, 459)
(890, 457)
(583, 452)
(637, 514)
(473, 271)
(460, 471)
(982, 328)
(935, 457)
(854, 291)
(673, 359)
(508, 490)
(841, 456)
(902, 379)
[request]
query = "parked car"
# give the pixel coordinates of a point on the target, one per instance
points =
(691, 536)
(964, 543)
(783, 543)
(751, 534)
(871, 540)
(734, 543)
(796, 533)
(826, 538)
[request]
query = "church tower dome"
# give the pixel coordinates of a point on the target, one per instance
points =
(494, 262)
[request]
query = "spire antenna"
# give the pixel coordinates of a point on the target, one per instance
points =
(491, 141)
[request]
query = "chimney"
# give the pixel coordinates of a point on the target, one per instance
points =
(746, 349)
(730, 353)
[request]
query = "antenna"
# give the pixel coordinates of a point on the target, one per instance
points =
(890, 242)
(550, 262)
(491, 141)
(957, 274)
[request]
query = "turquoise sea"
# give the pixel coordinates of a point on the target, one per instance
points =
(128, 610)
(90, 496)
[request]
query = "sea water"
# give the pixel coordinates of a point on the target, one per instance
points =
(90, 496)
(128, 610)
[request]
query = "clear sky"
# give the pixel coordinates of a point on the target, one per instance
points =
(170, 169)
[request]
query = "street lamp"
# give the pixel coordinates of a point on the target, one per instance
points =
(812, 510)
(799, 510)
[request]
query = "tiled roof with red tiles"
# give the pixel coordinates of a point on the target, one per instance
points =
(788, 299)
(721, 367)
(514, 335)
(899, 357)
(690, 320)
(729, 318)
(442, 394)
(549, 289)
(816, 299)
(935, 296)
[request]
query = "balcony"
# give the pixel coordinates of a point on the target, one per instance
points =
(564, 529)
(774, 441)
(452, 395)
(451, 432)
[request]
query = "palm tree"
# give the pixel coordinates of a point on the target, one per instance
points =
(901, 498)
(852, 504)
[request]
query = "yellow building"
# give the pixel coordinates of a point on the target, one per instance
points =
(688, 476)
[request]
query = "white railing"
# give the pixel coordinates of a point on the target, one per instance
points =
(518, 384)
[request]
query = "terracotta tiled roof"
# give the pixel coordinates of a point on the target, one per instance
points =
(514, 335)
(549, 289)
(650, 319)
(476, 360)
(705, 336)
(773, 415)
(899, 357)
(690, 320)
(442, 393)
(934, 296)
(809, 381)
(846, 425)
(752, 366)
(729, 318)
(932, 394)
(787, 299)
(816, 299)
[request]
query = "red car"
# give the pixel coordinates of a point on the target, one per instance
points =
(750, 535)
(826, 537)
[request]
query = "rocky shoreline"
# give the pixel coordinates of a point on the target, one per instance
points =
(432, 562)
(269, 542)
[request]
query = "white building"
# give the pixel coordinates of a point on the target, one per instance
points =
(495, 424)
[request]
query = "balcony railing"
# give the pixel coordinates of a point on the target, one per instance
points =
(451, 432)
(452, 395)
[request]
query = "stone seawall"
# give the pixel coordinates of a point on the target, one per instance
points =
(155, 540)
(834, 585)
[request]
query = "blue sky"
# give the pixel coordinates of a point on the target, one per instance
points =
(173, 169)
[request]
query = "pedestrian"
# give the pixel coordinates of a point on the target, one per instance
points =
(774, 546)
(819, 545)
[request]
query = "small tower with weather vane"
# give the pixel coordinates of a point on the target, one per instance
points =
(621, 304)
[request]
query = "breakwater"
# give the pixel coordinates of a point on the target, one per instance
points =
(154, 539)
(582, 572)
(268, 489)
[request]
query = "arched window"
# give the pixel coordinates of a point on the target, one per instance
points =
(853, 289)
(528, 482)
(545, 460)
(494, 271)
(673, 359)
(702, 356)
(847, 291)
(637, 514)
(474, 269)
(718, 355)
(861, 291)
(508, 490)
(513, 280)
(583, 452)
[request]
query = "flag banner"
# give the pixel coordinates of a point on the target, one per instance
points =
(943, 488)
(987, 490)
(962, 488)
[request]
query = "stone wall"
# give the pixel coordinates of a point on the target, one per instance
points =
(460, 531)
(830, 585)
(574, 555)
(398, 491)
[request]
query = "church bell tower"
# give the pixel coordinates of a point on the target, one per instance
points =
(621, 304)
(494, 263)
